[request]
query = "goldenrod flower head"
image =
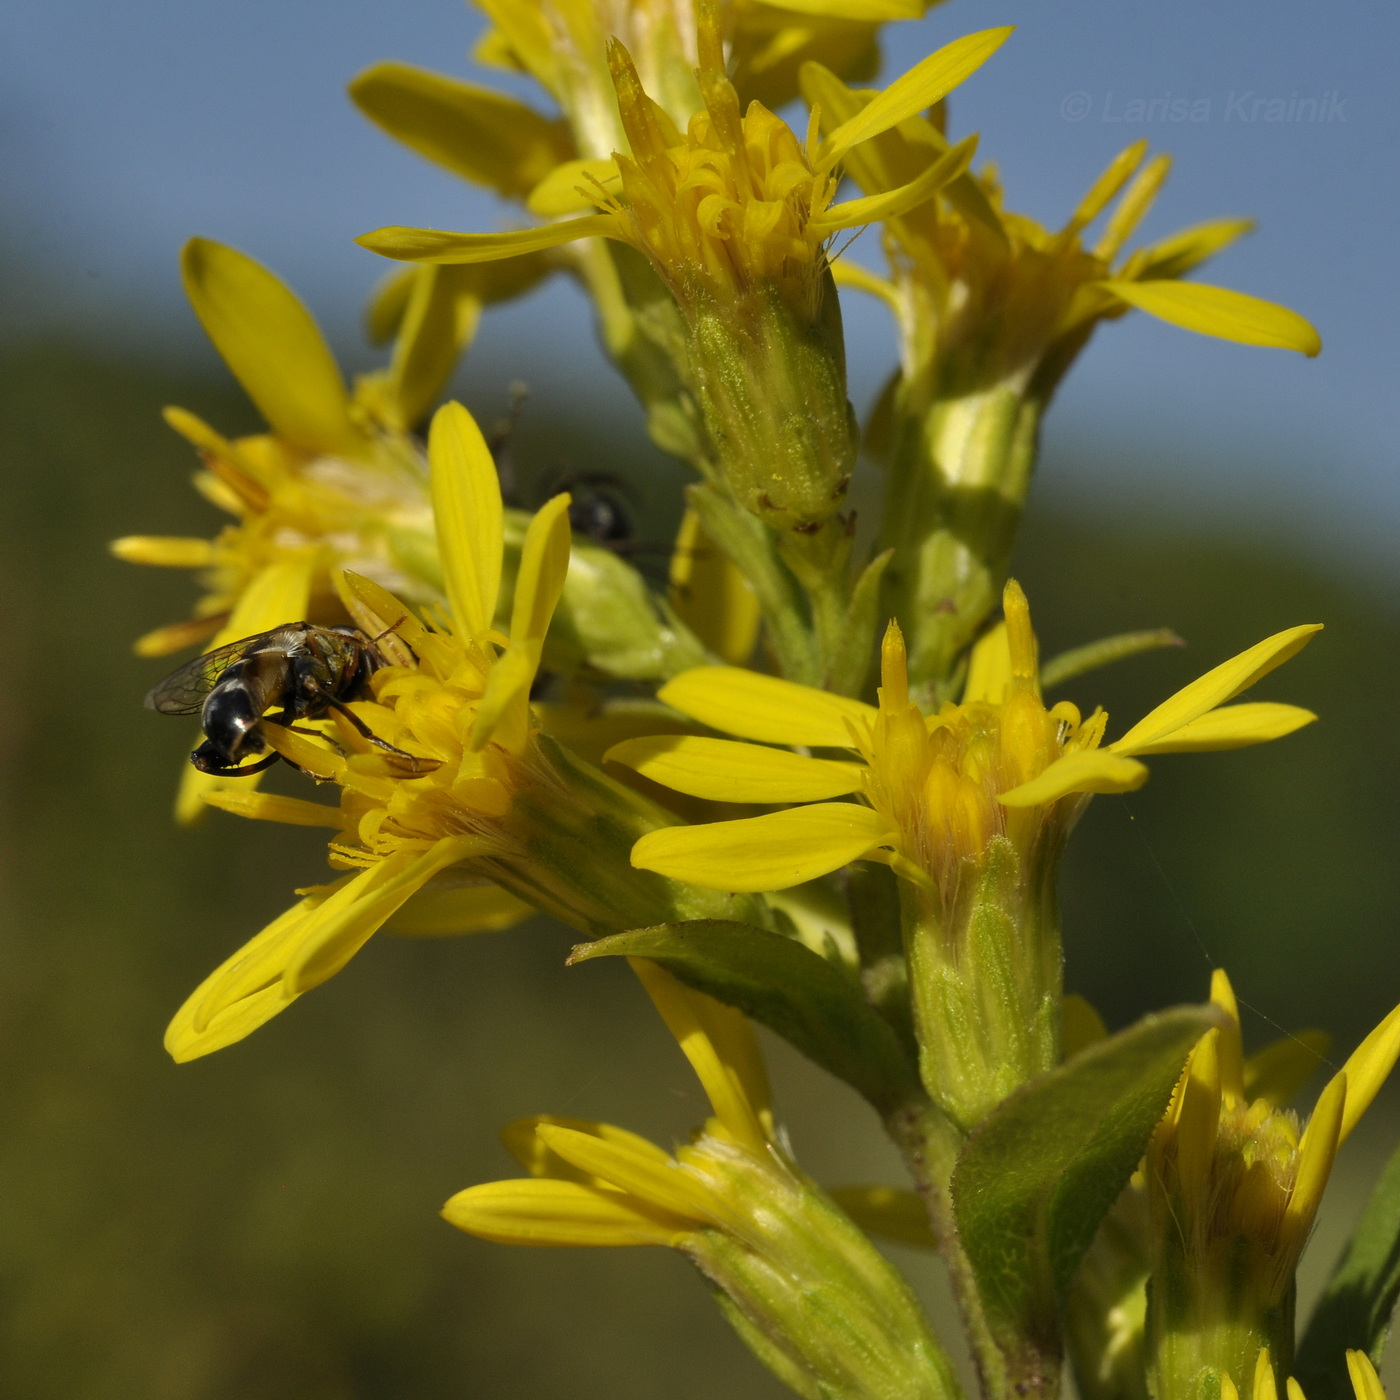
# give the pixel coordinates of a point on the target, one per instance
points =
(931, 790)
(470, 784)
(797, 1278)
(334, 472)
(454, 701)
(735, 215)
(1234, 1181)
(734, 175)
(986, 296)
(337, 482)
(562, 45)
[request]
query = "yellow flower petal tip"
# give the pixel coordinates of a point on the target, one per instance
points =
(1220, 312)
(772, 852)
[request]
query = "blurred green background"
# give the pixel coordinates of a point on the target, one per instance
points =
(263, 1223)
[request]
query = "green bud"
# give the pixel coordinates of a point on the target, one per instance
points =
(608, 622)
(985, 973)
(771, 382)
(806, 1289)
(957, 485)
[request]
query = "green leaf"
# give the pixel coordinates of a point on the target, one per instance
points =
(1040, 1171)
(785, 985)
(1356, 1307)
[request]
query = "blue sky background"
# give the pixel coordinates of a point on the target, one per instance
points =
(124, 129)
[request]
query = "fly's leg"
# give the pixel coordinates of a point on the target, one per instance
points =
(417, 766)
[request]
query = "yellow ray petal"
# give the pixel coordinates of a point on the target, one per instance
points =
(1368, 1068)
(1265, 1382)
(710, 595)
(272, 345)
(1218, 311)
(664, 1185)
(333, 936)
(892, 203)
(1226, 681)
(924, 84)
(849, 274)
(279, 593)
(164, 551)
(560, 1213)
(247, 988)
(1178, 254)
(1133, 207)
(573, 187)
(1117, 174)
(379, 614)
(765, 708)
(439, 246)
(1317, 1151)
(524, 1144)
(772, 852)
(178, 635)
(888, 1212)
(267, 807)
(725, 771)
(866, 11)
(467, 508)
(1091, 770)
(1083, 1026)
(544, 564)
(1230, 1045)
(477, 133)
(722, 1050)
(438, 323)
(989, 669)
(1365, 1383)
(449, 913)
(388, 302)
(1232, 727)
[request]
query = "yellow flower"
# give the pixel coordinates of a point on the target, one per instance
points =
(1365, 1383)
(725, 198)
(984, 295)
(799, 1281)
(1233, 1187)
(735, 215)
(484, 793)
(932, 790)
(337, 481)
(992, 309)
(508, 146)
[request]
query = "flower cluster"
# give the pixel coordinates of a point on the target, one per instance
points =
(701, 775)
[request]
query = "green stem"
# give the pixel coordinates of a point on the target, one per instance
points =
(953, 501)
(930, 1144)
(786, 609)
(1007, 1369)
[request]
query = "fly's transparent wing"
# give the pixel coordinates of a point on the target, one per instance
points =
(182, 692)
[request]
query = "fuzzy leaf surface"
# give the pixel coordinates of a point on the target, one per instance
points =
(1039, 1172)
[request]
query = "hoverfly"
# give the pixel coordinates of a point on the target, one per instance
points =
(306, 670)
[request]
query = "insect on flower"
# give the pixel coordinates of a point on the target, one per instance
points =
(308, 671)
